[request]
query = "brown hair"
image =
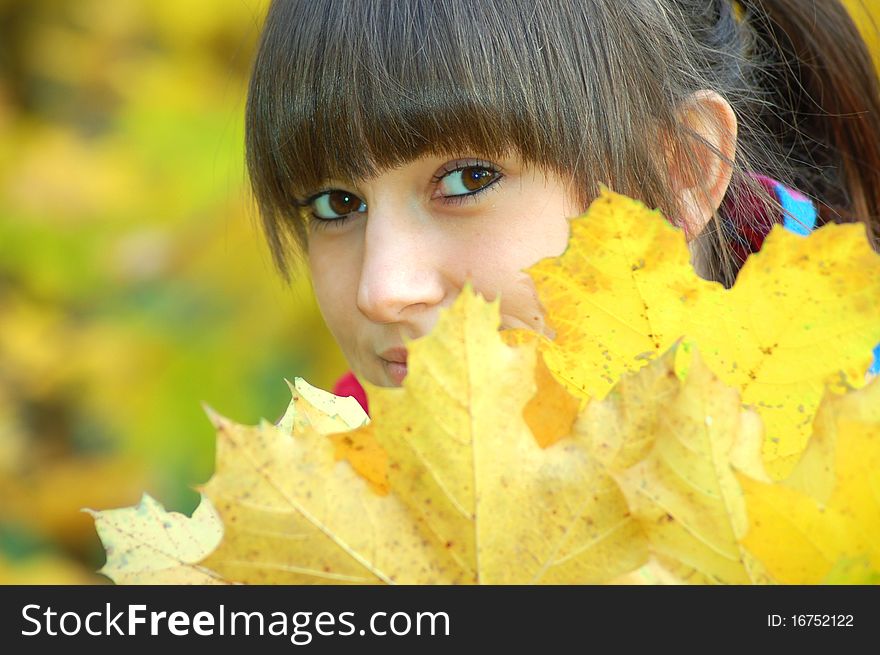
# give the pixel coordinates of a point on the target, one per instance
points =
(588, 89)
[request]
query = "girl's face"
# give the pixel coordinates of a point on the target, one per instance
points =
(388, 253)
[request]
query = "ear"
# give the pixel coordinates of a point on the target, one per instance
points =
(700, 176)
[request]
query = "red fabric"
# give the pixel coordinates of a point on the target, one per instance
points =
(348, 385)
(748, 222)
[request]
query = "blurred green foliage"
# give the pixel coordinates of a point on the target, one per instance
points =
(134, 281)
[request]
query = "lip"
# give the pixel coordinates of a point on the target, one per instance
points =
(394, 363)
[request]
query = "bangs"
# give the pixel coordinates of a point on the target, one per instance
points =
(349, 88)
(386, 83)
(344, 89)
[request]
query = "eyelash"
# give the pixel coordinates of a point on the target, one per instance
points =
(319, 223)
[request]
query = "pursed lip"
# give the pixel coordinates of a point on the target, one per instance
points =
(394, 363)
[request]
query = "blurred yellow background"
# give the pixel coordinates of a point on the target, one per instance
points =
(134, 281)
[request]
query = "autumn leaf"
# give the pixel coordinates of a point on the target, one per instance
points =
(147, 545)
(294, 514)
(328, 414)
(552, 411)
(469, 495)
(671, 444)
(804, 313)
(823, 522)
(323, 411)
(461, 456)
(648, 469)
(618, 296)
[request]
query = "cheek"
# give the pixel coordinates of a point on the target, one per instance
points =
(518, 238)
(525, 236)
(334, 279)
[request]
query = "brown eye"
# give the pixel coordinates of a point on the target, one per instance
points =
(474, 178)
(467, 181)
(337, 204)
(342, 202)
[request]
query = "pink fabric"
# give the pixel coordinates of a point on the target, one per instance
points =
(348, 385)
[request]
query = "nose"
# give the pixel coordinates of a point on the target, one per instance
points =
(401, 277)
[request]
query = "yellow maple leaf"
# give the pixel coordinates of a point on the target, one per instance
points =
(551, 412)
(469, 495)
(647, 469)
(294, 514)
(618, 296)
(823, 522)
(323, 411)
(670, 444)
(463, 459)
(804, 313)
(147, 545)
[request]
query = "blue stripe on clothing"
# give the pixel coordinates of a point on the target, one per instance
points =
(800, 213)
(875, 367)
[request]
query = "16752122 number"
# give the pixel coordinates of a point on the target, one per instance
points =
(822, 620)
(810, 621)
